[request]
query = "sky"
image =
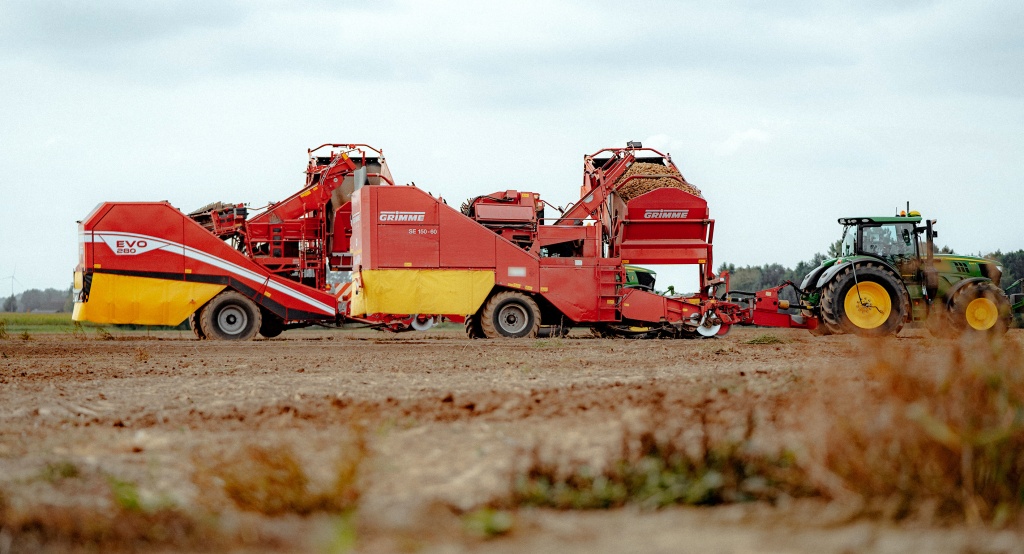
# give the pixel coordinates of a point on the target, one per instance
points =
(787, 115)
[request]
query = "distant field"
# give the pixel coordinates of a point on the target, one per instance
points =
(17, 323)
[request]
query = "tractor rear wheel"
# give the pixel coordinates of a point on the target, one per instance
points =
(979, 307)
(510, 314)
(230, 316)
(473, 329)
(866, 300)
(193, 322)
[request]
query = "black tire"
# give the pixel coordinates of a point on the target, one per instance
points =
(510, 314)
(193, 322)
(980, 308)
(882, 284)
(473, 329)
(230, 316)
(271, 326)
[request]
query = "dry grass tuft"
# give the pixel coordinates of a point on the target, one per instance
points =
(141, 355)
(3, 329)
(272, 481)
(103, 334)
(124, 525)
(938, 429)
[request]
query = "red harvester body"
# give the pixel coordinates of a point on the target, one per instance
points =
(498, 262)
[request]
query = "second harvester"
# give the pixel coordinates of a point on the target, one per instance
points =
(500, 261)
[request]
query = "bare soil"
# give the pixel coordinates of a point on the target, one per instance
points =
(445, 419)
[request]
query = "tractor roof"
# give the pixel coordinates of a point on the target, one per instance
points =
(894, 219)
(639, 269)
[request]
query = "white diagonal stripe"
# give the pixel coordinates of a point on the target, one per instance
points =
(206, 258)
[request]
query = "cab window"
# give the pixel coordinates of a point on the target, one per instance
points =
(888, 240)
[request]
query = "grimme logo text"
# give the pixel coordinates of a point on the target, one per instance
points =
(666, 214)
(402, 216)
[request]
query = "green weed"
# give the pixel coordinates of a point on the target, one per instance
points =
(767, 338)
(125, 494)
(656, 466)
(487, 523)
(57, 471)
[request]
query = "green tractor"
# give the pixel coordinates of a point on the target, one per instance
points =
(888, 274)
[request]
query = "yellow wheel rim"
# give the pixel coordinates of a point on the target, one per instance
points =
(982, 314)
(870, 308)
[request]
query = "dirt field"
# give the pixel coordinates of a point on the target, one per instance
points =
(445, 421)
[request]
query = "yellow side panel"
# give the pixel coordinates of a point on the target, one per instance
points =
(421, 291)
(142, 300)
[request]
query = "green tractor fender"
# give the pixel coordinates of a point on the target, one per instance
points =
(834, 270)
(812, 277)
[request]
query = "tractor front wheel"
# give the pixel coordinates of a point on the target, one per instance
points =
(866, 300)
(230, 316)
(979, 307)
(510, 314)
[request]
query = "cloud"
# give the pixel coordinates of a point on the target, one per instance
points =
(740, 139)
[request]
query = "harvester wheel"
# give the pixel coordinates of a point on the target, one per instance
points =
(979, 307)
(510, 314)
(473, 329)
(230, 316)
(871, 302)
(271, 326)
(193, 322)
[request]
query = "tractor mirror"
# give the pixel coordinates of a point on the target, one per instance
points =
(935, 234)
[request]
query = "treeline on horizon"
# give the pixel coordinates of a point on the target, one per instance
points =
(36, 300)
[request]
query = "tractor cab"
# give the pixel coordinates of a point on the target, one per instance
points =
(893, 239)
(639, 278)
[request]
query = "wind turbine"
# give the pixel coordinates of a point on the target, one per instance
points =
(13, 279)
